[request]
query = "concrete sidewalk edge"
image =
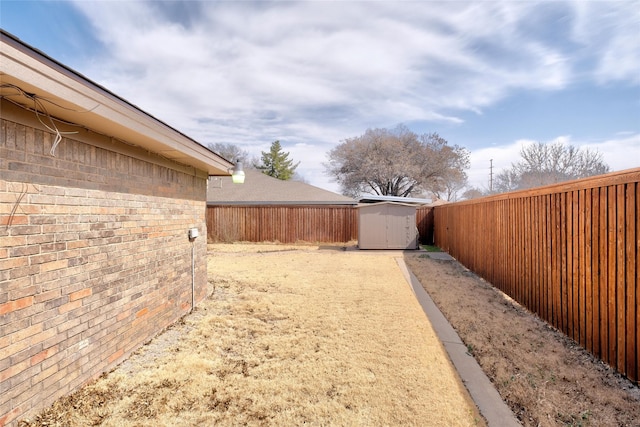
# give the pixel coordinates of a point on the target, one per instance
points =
(491, 406)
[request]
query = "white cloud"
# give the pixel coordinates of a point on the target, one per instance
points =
(291, 55)
(319, 72)
(608, 33)
(501, 156)
(619, 152)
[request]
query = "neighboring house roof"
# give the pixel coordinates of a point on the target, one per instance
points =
(262, 189)
(405, 200)
(70, 97)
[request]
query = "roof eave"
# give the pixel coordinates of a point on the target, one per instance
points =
(73, 98)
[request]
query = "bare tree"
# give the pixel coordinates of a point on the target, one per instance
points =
(299, 178)
(473, 193)
(230, 152)
(543, 164)
(396, 163)
(448, 188)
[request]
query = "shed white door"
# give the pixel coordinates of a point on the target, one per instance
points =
(400, 229)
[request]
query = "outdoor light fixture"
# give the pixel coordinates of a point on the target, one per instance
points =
(237, 175)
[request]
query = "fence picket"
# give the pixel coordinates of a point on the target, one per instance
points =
(581, 233)
(557, 260)
(587, 301)
(637, 282)
(611, 269)
(595, 271)
(631, 279)
(604, 274)
(621, 295)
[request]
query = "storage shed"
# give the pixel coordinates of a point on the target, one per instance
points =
(387, 225)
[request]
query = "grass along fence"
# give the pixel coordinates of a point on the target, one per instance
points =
(290, 224)
(567, 252)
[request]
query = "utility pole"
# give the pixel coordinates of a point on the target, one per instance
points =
(491, 175)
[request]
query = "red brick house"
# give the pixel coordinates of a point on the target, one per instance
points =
(96, 202)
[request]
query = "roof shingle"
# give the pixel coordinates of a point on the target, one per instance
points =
(261, 189)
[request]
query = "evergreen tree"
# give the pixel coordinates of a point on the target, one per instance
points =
(276, 163)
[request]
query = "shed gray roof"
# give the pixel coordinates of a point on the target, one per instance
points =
(378, 204)
(368, 198)
(261, 189)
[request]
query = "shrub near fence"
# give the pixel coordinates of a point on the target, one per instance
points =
(568, 252)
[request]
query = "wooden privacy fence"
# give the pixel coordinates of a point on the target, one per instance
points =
(284, 224)
(568, 252)
(290, 224)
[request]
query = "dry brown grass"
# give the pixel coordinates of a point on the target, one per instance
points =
(290, 336)
(545, 377)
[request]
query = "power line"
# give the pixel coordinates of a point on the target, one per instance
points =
(491, 175)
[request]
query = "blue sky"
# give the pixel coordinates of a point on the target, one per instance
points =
(490, 76)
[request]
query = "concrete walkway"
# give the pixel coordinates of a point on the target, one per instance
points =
(482, 391)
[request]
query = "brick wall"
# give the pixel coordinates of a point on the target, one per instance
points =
(94, 257)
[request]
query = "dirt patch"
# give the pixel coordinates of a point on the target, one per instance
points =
(546, 378)
(290, 336)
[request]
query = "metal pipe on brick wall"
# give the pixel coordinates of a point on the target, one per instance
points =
(193, 274)
(193, 234)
